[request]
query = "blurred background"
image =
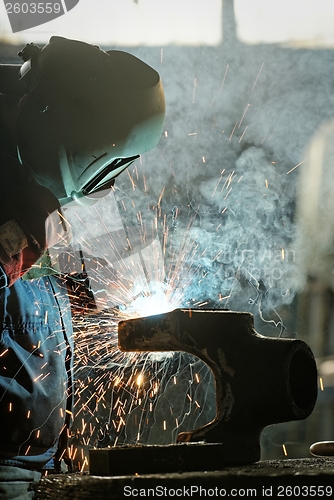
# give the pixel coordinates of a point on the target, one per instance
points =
(233, 209)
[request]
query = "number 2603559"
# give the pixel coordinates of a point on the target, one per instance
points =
(33, 8)
(304, 491)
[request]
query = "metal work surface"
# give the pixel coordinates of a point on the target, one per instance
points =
(262, 477)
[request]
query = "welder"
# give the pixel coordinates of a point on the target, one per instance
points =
(72, 118)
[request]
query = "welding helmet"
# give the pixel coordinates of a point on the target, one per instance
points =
(86, 116)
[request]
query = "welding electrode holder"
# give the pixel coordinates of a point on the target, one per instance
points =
(258, 380)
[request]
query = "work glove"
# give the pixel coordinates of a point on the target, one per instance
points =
(30, 222)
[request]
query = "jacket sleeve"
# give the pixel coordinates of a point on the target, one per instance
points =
(25, 229)
(9, 80)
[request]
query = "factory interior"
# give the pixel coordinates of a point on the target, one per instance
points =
(230, 219)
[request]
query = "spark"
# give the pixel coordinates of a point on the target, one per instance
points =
(224, 298)
(217, 255)
(222, 85)
(61, 215)
(285, 450)
(243, 134)
(225, 197)
(232, 133)
(131, 179)
(296, 166)
(220, 178)
(202, 304)
(228, 181)
(194, 91)
(321, 383)
(86, 242)
(85, 463)
(161, 195)
(243, 116)
(258, 75)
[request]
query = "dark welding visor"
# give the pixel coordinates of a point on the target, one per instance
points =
(104, 179)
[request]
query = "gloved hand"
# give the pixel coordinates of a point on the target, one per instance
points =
(29, 223)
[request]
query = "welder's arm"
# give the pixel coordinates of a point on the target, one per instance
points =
(9, 80)
(26, 229)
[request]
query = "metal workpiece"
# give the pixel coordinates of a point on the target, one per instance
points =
(258, 380)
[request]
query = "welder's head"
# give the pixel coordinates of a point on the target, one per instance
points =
(87, 115)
